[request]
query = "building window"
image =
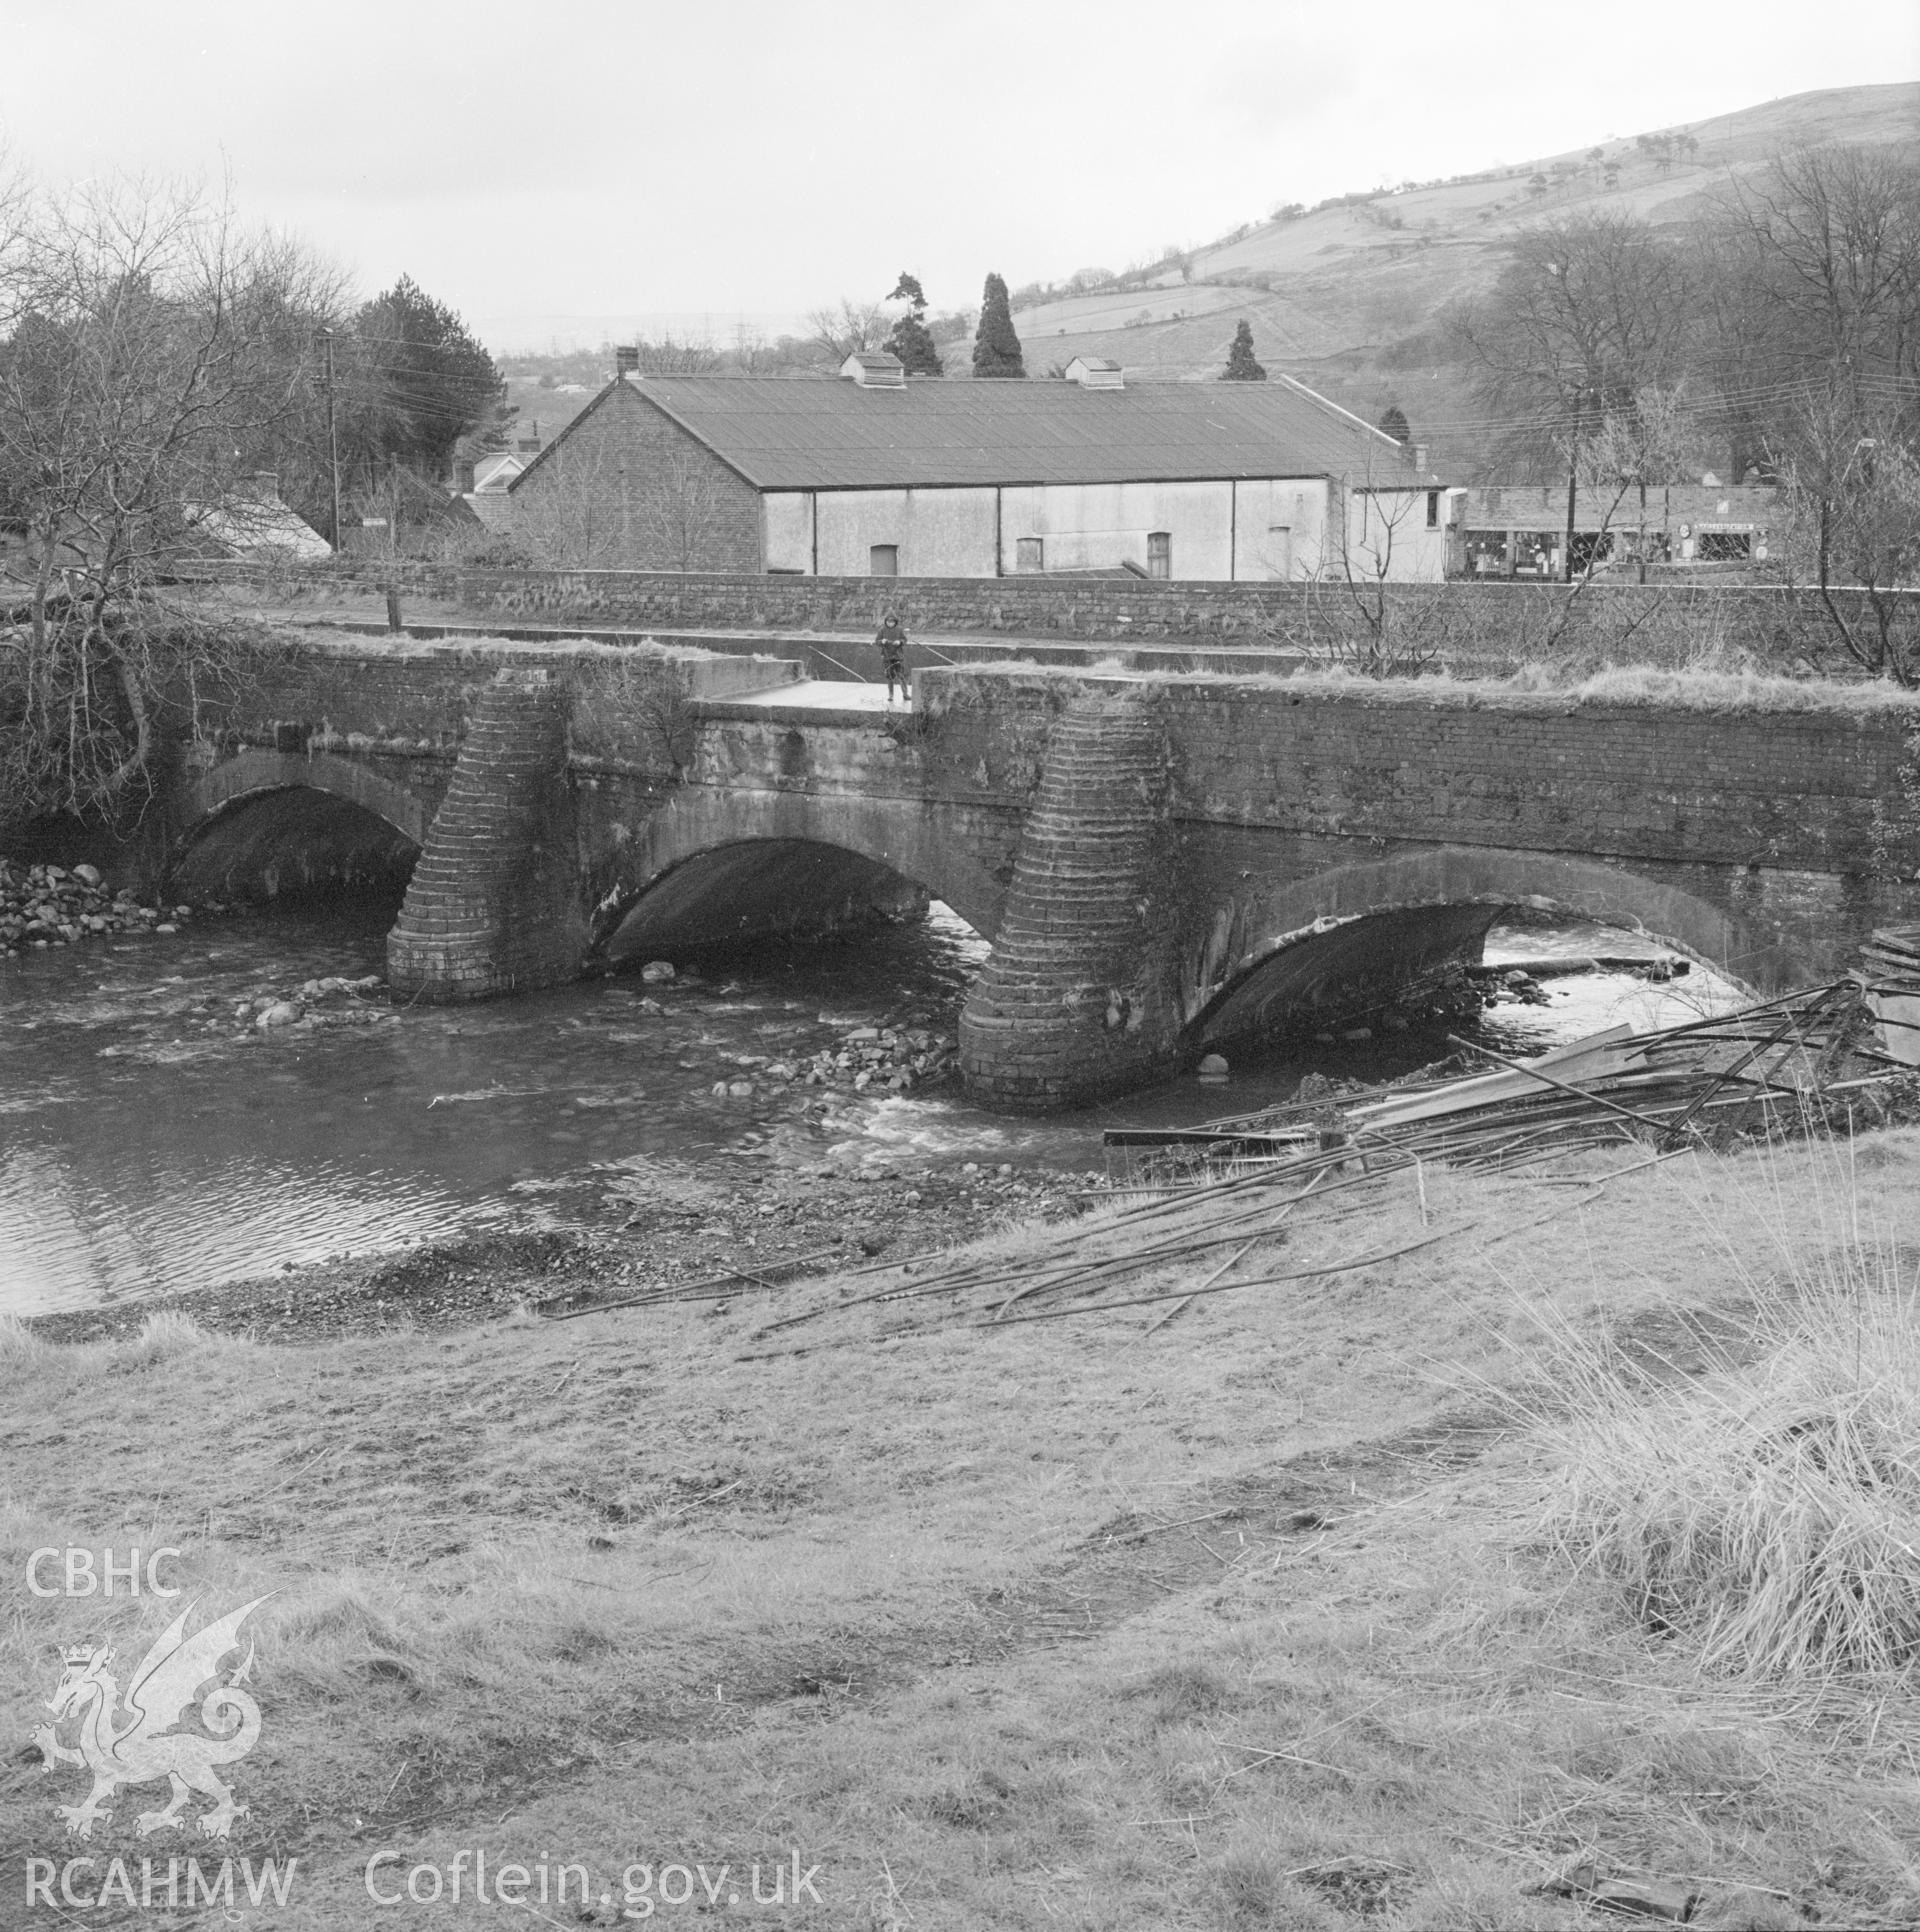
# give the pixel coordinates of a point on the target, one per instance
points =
(1159, 553)
(1486, 552)
(1591, 549)
(1029, 556)
(1433, 509)
(883, 560)
(1726, 546)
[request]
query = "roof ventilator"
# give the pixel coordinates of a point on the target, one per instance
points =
(875, 369)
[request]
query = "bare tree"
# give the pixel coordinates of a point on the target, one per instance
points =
(608, 505)
(1650, 438)
(1374, 633)
(675, 509)
(1810, 285)
(851, 329)
(1815, 343)
(1853, 502)
(672, 357)
(580, 516)
(1591, 311)
(153, 352)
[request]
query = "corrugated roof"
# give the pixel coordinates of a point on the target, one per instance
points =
(808, 433)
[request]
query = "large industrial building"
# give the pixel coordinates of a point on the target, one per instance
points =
(875, 474)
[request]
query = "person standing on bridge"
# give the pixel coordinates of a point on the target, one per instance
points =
(891, 640)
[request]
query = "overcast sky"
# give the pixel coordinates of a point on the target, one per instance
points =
(552, 166)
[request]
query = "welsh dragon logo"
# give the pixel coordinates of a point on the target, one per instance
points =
(143, 1747)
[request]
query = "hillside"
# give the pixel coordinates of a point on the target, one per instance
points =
(1344, 297)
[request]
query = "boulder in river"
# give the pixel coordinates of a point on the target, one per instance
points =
(280, 1013)
(657, 972)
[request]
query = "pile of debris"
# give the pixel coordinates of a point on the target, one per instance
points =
(1801, 1062)
(1890, 962)
(52, 905)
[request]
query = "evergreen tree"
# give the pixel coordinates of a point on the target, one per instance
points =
(1394, 423)
(421, 384)
(910, 340)
(1241, 366)
(996, 349)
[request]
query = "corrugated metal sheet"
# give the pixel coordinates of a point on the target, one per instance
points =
(807, 433)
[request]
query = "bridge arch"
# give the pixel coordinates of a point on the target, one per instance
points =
(249, 773)
(775, 854)
(1280, 945)
(264, 817)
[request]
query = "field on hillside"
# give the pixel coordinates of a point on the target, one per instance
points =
(1286, 1612)
(1344, 298)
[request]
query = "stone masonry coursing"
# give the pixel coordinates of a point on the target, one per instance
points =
(1219, 821)
(492, 905)
(1071, 1001)
(1478, 622)
(627, 488)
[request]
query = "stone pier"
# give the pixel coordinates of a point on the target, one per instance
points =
(493, 905)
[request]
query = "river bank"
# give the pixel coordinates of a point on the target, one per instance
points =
(1256, 1618)
(724, 1231)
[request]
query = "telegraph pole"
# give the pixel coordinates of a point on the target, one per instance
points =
(333, 438)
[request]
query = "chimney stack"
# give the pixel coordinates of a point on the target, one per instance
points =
(626, 359)
(1420, 457)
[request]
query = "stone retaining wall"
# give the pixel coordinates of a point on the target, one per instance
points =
(1468, 620)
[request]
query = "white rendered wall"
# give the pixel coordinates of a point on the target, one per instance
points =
(939, 533)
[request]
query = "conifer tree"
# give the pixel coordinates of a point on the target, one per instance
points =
(996, 349)
(1241, 366)
(910, 340)
(1394, 423)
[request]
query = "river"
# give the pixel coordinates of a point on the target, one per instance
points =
(150, 1141)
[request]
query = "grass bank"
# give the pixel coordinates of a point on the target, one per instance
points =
(1298, 1610)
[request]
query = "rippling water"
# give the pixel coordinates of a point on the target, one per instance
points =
(144, 1149)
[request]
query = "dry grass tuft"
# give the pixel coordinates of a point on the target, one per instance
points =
(1252, 1888)
(1185, 1690)
(20, 1347)
(1770, 1513)
(163, 1337)
(1710, 684)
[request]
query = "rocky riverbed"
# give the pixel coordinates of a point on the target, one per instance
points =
(54, 905)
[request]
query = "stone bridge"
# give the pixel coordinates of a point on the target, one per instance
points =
(1159, 863)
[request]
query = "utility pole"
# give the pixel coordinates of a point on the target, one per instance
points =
(1573, 481)
(333, 438)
